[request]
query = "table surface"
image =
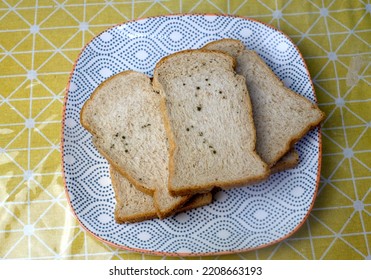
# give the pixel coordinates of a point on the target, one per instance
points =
(39, 42)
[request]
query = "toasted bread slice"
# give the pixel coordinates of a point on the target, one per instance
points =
(124, 118)
(281, 116)
(208, 118)
(133, 205)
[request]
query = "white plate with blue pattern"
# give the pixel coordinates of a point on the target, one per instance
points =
(240, 219)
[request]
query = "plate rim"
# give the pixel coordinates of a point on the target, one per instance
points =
(187, 254)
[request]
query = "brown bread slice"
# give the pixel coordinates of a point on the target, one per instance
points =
(209, 123)
(281, 116)
(133, 205)
(124, 118)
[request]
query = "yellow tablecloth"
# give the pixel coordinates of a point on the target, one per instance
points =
(39, 41)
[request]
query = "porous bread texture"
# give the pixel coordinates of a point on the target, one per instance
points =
(208, 119)
(281, 116)
(124, 118)
(133, 205)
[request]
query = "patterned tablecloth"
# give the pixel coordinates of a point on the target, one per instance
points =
(39, 42)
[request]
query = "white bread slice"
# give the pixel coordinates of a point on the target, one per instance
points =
(234, 48)
(281, 116)
(133, 205)
(124, 118)
(208, 118)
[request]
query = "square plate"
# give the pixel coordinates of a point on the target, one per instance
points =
(240, 219)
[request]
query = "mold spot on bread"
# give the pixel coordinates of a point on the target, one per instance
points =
(199, 107)
(146, 125)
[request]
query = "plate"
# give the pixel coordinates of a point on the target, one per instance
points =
(240, 219)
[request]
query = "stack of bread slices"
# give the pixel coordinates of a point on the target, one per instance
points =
(213, 117)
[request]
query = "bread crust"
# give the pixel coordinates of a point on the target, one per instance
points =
(195, 51)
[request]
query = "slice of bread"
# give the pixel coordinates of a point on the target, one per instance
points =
(133, 205)
(208, 118)
(281, 116)
(234, 48)
(124, 118)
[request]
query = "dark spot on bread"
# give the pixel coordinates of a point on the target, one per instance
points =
(197, 88)
(146, 125)
(199, 108)
(187, 128)
(126, 151)
(201, 134)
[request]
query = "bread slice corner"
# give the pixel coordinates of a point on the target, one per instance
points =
(133, 205)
